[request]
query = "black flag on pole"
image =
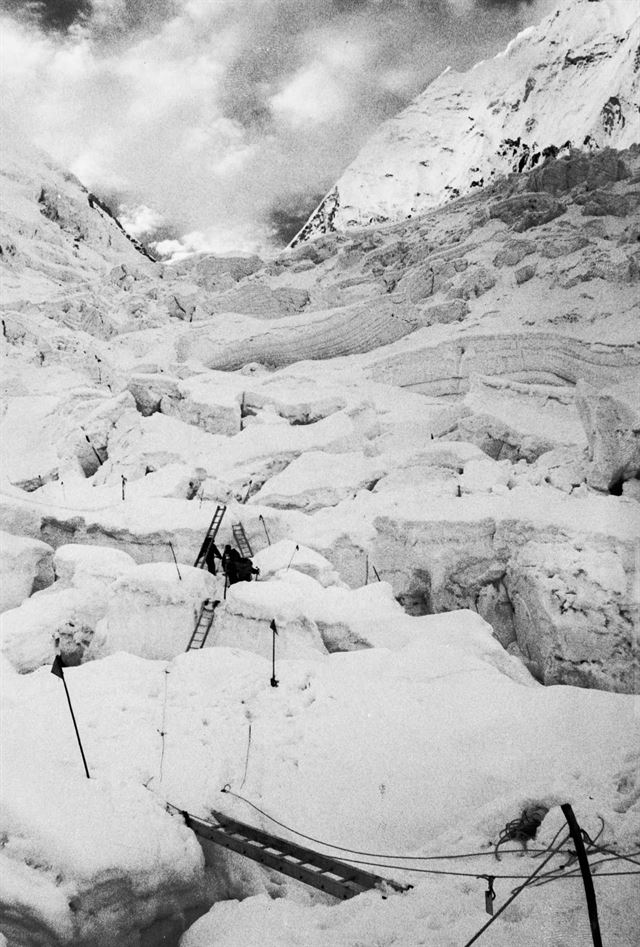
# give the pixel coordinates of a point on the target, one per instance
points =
(56, 668)
(272, 626)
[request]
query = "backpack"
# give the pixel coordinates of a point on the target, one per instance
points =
(244, 569)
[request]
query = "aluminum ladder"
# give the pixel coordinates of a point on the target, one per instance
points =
(241, 540)
(203, 624)
(209, 539)
(313, 868)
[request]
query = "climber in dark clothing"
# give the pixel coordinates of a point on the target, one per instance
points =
(236, 567)
(213, 553)
(246, 570)
(229, 563)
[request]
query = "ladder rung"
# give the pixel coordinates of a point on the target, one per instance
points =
(210, 535)
(203, 626)
(315, 868)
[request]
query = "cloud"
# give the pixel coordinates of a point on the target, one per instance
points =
(313, 96)
(230, 117)
(50, 15)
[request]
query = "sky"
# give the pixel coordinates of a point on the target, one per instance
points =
(222, 123)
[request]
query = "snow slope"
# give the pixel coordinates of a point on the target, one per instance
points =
(52, 227)
(425, 749)
(573, 81)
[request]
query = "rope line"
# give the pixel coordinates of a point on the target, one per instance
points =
(426, 871)
(517, 891)
(458, 874)
(358, 861)
(629, 857)
(556, 874)
(528, 879)
(575, 873)
(162, 730)
(461, 874)
(246, 762)
(353, 851)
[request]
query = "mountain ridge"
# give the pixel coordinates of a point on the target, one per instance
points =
(571, 82)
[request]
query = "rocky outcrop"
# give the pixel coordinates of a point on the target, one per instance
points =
(595, 170)
(524, 211)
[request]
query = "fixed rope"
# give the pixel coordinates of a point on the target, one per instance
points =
(162, 730)
(308, 866)
(353, 851)
(246, 762)
(556, 874)
(629, 857)
(517, 891)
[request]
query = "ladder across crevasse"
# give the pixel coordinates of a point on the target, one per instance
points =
(313, 868)
(203, 624)
(209, 539)
(241, 540)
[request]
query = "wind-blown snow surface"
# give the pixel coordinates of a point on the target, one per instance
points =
(573, 81)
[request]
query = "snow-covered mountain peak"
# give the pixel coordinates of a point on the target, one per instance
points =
(571, 82)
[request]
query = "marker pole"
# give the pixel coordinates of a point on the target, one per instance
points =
(274, 680)
(175, 560)
(264, 526)
(57, 670)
